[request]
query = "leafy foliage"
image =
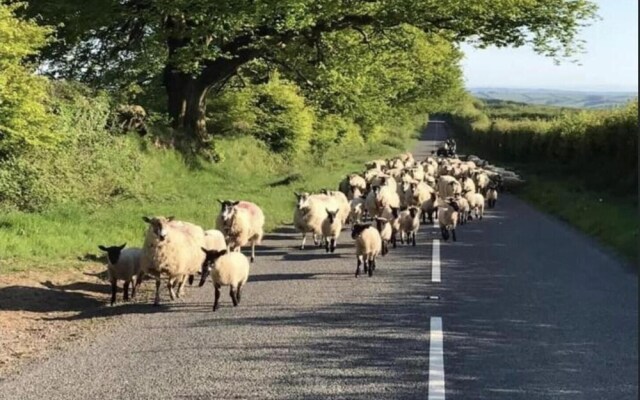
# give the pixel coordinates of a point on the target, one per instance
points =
(25, 120)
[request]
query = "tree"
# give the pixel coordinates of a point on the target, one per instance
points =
(198, 45)
(24, 117)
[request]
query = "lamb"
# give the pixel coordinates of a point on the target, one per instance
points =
(123, 264)
(308, 216)
(243, 223)
(331, 227)
(385, 227)
(171, 248)
(227, 269)
(448, 218)
(409, 224)
(492, 195)
(476, 203)
(368, 246)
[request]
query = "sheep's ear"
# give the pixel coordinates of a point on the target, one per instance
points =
(122, 246)
(170, 218)
(296, 194)
(103, 248)
(235, 203)
(146, 219)
(222, 252)
(205, 251)
(220, 201)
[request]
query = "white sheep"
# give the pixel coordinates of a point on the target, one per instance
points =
(409, 224)
(476, 203)
(468, 185)
(226, 269)
(482, 181)
(384, 226)
(123, 264)
(419, 193)
(308, 216)
(343, 204)
(448, 186)
(448, 218)
(429, 207)
(464, 211)
(331, 228)
(243, 223)
(171, 248)
(214, 240)
(368, 246)
(357, 210)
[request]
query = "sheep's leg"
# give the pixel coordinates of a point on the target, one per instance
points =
(326, 244)
(253, 250)
(238, 291)
(444, 233)
(401, 237)
(126, 290)
(424, 218)
(181, 286)
(135, 285)
(191, 278)
(216, 299)
(304, 239)
(156, 301)
(358, 266)
(315, 239)
(172, 293)
(393, 239)
(114, 289)
(333, 245)
(453, 234)
(371, 265)
(413, 239)
(234, 299)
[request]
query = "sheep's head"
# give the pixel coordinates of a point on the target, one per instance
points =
(376, 189)
(454, 204)
(302, 200)
(228, 209)
(380, 223)
(331, 215)
(395, 211)
(210, 258)
(414, 211)
(357, 229)
(159, 225)
(113, 252)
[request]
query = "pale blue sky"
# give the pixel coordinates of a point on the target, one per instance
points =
(610, 61)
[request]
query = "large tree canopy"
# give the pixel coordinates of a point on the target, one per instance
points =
(198, 45)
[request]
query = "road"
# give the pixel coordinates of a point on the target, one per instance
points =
(529, 309)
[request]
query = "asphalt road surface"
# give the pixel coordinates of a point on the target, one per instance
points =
(528, 307)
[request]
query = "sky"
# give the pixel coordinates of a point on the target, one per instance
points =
(609, 64)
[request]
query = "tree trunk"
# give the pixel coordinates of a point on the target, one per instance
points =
(186, 103)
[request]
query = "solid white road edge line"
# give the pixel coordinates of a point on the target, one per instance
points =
(435, 261)
(436, 361)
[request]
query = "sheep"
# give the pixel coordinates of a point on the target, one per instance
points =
(482, 181)
(429, 207)
(409, 224)
(468, 185)
(123, 264)
(171, 248)
(227, 269)
(448, 186)
(465, 209)
(352, 183)
(448, 218)
(357, 210)
(331, 227)
(221, 223)
(492, 195)
(387, 196)
(342, 202)
(371, 201)
(214, 240)
(308, 216)
(368, 246)
(419, 193)
(476, 203)
(243, 224)
(385, 227)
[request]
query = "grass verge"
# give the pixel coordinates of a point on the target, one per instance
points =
(66, 236)
(613, 220)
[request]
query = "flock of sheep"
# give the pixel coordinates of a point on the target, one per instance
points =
(396, 195)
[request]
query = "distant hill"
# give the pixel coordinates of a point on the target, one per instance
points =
(560, 98)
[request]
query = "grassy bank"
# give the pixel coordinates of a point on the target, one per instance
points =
(61, 236)
(613, 220)
(579, 166)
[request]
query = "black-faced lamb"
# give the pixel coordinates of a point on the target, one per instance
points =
(226, 269)
(123, 264)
